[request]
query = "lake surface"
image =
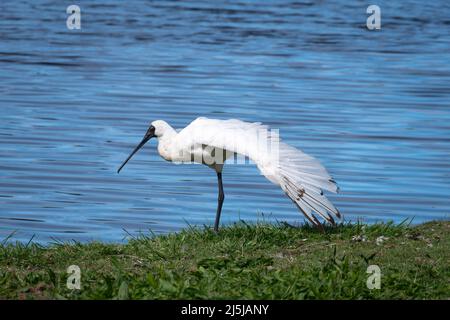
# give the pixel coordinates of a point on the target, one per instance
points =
(373, 106)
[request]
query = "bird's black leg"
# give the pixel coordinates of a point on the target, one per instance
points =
(220, 201)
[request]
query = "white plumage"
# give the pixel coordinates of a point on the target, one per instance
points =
(299, 175)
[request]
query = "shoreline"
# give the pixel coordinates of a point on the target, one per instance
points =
(260, 261)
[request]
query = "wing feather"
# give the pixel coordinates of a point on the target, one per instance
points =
(299, 175)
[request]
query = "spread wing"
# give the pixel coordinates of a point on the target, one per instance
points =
(299, 175)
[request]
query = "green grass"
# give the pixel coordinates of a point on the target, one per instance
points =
(241, 262)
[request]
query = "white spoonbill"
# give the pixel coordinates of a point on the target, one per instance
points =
(212, 141)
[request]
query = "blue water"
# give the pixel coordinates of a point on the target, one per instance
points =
(373, 106)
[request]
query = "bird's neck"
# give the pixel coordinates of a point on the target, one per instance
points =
(165, 143)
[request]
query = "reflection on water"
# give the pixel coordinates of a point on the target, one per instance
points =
(372, 106)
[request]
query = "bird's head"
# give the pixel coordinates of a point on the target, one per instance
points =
(157, 129)
(160, 128)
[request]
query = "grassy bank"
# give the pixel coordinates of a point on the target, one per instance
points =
(242, 261)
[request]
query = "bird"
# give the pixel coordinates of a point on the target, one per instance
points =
(213, 141)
